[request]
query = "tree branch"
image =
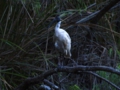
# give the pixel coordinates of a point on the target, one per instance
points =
(35, 80)
(51, 84)
(38, 79)
(88, 68)
(96, 16)
(103, 11)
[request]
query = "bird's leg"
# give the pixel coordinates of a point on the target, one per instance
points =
(60, 60)
(60, 64)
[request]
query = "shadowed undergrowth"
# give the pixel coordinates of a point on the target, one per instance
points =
(23, 39)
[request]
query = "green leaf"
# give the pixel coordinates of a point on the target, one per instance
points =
(11, 44)
(74, 87)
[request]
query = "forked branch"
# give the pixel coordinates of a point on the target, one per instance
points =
(39, 79)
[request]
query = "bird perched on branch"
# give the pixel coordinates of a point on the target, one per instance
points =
(62, 39)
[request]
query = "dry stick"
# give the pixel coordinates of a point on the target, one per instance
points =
(35, 80)
(96, 16)
(7, 19)
(52, 85)
(46, 48)
(114, 7)
(115, 45)
(92, 5)
(47, 41)
(27, 11)
(103, 11)
(48, 36)
(39, 79)
(88, 18)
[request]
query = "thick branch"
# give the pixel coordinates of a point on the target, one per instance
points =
(88, 68)
(103, 11)
(96, 16)
(35, 80)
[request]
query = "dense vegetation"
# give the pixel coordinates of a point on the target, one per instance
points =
(27, 47)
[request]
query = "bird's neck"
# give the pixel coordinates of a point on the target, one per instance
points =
(57, 30)
(57, 27)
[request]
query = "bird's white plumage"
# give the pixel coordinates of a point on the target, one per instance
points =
(62, 41)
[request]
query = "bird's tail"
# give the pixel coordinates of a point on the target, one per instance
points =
(67, 54)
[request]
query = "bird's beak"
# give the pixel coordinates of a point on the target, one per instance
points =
(57, 19)
(51, 23)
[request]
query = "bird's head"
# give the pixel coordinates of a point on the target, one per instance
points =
(55, 20)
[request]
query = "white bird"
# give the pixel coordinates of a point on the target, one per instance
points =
(62, 41)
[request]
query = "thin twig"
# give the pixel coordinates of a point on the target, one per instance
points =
(27, 11)
(51, 84)
(96, 75)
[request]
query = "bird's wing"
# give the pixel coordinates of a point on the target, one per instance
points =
(63, 38)
(65, 43)
(68, 37)
(65, 34)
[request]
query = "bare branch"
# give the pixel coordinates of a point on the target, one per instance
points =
(103, 11)
(88, 68)
(91, 5)
(51, 84)
(38, 79)
(35, 80)
(88, 18)
(96, 16)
